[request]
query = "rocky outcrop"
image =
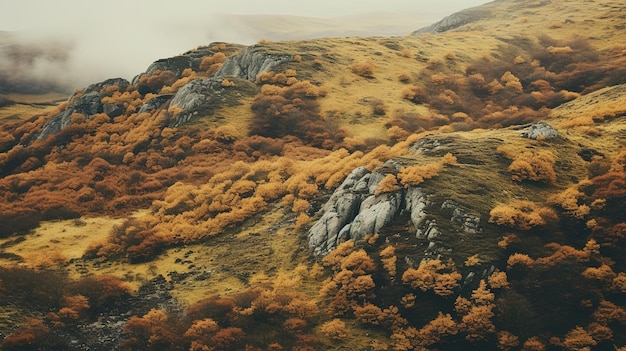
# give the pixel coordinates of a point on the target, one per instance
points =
(190, 59)
(193, 93)
(203, 96)
(176, 64)
(415, 204)
(540, 130)
(86, 102)
(119, 82)
(376, 211)
(454, 21)
(155, 103)
(338, 212)
(354, 210)
(113, 110)
(198, 95)
(250, 63)
(467, 221)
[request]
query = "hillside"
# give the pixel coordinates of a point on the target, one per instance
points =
(458, 188)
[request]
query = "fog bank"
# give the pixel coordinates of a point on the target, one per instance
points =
(74, 43)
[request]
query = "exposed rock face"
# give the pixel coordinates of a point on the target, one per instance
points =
(201, 95)
(354, 210)
(249, 64)
(415, 203)
(191, 95)
(455, 20)
(467, 221)
(86, 102)
(154, 103)
(540, 130)
(339, 211)
(176, 64)
(113, 110)
(196, 95)
(205, 94)
(376, 211)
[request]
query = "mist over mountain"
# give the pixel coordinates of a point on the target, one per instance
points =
(66, 59)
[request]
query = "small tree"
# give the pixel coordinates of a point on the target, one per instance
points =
(335, 329)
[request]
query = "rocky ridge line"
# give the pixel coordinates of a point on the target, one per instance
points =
(196, 96)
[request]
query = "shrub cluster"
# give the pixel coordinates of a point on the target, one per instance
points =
(512, 89)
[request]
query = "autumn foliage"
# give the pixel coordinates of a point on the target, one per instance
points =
(522, 214)
(433, 275)
(293, 109)
(536, 166)
(277, 310)
(546, 271)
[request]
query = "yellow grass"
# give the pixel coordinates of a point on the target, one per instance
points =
(264, 245)
(603, 110)
(21, 111)
(44, 99)
(27, 105)
(69, 238)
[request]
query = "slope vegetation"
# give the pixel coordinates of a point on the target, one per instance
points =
(454, 190)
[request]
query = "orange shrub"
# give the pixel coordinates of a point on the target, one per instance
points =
(416, 94)
(34, 335)
(434, 275)
(533, 344)
(519, 259)
(211, 64)
(507, 341)
(156, 81)
(389, 184)
(363, 69)
(435, 330)
(404, 77)
(535, 166)
(335, 329)
(415, 175)
(293, 111)
(521, 214)
(498, 280)
(578, 339)
(389, 259)
(477, 323)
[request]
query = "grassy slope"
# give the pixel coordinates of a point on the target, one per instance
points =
(348, 102)
(268, 243)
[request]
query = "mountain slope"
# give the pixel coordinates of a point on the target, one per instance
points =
(453, 190)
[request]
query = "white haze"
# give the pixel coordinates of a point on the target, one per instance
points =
(120, 38)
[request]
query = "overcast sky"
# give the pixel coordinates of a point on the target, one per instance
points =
(122, 37)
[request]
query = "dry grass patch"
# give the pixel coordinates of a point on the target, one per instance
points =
(67, 238)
